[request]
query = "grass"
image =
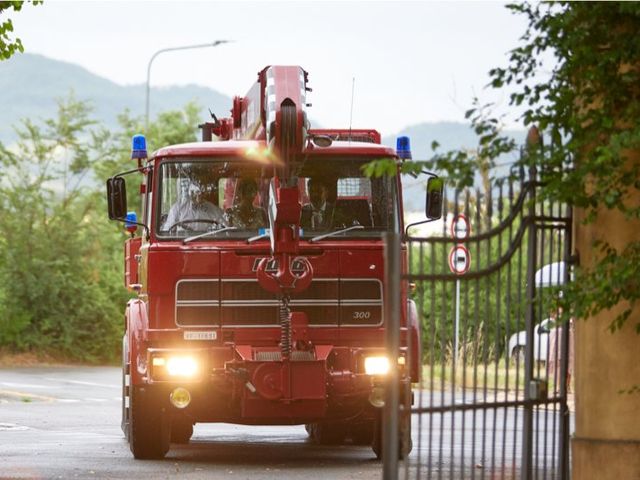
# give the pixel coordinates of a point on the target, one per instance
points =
(500, 376)
(11, 359)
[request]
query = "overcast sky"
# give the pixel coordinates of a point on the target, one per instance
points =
(412, 62)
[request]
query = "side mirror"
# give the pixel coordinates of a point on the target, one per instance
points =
(116, 198)
(433, 207)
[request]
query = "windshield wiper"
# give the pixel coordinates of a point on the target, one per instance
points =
(207, 234)
(258, 237)
(337, 232)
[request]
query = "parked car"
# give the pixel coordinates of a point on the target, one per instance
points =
(518, 342)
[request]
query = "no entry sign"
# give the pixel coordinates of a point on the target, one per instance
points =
(460, 227)
(459, 260)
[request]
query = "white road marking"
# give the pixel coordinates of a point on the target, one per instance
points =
(12, 427)
(78, 382)
(22, 385)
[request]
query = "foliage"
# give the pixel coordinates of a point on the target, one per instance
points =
(9, 45)
(587, 107)
(60, 257)
(58, 268)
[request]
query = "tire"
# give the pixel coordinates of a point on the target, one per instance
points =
(124, 424)
(149, 428)
(181, 430)
(518, 353)
(362, 432)
(328, 433)
(405, 442)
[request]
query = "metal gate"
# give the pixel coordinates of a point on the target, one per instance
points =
(492, 402)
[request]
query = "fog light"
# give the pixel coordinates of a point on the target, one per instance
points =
(376, 397)
(376, 365)
(182, 366)
(180, 397)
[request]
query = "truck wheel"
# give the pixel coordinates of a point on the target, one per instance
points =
(181, 430)
(125, 389)
(149, 431)
(362, 433)
(518, 353)
(405, 442)
(328, 433)
(309, 428)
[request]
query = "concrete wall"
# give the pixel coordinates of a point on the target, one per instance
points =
(606, 444)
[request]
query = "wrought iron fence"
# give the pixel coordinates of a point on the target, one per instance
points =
(493, 398)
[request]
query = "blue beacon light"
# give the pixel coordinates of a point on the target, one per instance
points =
(403, 148)
(138, 147)
(130, 222)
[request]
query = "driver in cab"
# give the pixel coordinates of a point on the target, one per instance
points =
(194, 212)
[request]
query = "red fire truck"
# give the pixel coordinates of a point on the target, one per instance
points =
(259, 277)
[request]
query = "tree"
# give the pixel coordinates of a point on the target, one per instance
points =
(61, 287)
(59, 268)
(576, 78)
(9, 45)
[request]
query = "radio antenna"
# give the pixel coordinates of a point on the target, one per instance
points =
(353, 87)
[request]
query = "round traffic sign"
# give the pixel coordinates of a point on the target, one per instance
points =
(460, 227)
(459, 260)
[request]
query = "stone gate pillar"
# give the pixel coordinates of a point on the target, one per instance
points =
(606, 444)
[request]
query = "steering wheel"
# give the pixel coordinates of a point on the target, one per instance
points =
(181, 223)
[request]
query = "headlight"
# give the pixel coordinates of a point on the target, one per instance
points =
(182, 366)
(376, 365)
(166, 366)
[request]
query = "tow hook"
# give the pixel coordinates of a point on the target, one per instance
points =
(243, 375)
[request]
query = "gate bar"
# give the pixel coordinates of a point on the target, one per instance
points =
(390, 422)
(563, 441)
(527, 431)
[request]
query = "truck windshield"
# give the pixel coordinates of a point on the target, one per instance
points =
(205, 195)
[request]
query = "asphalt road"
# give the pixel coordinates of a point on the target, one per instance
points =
(65, 423)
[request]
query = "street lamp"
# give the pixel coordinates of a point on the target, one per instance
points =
(170, 49)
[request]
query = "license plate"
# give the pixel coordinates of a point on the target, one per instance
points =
(200, 335)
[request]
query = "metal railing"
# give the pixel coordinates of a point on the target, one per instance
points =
(492, 402)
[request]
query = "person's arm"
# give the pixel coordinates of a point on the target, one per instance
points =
(171, 217)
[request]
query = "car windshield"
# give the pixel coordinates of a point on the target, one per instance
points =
(211, 195)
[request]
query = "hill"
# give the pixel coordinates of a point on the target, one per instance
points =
(30, 84)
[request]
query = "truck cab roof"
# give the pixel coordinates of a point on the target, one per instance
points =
(241, 147)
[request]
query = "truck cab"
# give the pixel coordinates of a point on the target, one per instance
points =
(243, 317)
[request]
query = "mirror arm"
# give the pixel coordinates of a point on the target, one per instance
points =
(415, 224)
(128, 172)
(143, 225)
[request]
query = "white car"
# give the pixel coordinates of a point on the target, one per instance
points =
(518, 342)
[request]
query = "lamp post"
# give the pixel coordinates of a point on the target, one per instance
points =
(170, 49)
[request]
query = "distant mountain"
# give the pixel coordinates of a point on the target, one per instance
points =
(450, 136)
(30, 85)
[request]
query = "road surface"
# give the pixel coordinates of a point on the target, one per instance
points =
(64, 422)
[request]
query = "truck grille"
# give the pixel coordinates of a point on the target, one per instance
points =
(243, 303)
(197, 303)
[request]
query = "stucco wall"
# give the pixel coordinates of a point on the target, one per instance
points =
(606, 444)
